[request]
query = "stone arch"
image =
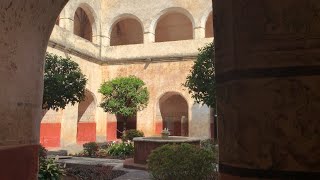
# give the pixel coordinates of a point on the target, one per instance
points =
(86, 130)
(173, 24)
(174, 111)
(126, 29)
(85, 22)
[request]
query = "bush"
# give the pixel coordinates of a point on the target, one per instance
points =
(181, 162)
(130, 134)
(104, 145)
(49, 170)
(121, 150)
(91, 148)
(102, 153)
(209, 144)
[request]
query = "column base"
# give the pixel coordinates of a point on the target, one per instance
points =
(17, 163)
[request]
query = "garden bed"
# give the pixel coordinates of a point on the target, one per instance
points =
(91, 172)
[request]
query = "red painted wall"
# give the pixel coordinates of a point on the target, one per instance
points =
(111, 131)
(86, 132)
(50, 134)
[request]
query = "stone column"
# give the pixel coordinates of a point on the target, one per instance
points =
(148, 37)
(67, 18)
(69, 127)
(199, 33)
(199, 125)
(25, 29)
(268, 77)
(101, 127)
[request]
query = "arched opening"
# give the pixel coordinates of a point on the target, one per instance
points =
(86, 131)
(173, 26)
(209, 26)
(50, 128)
(174, 114)
(126, 31)
(82, 24)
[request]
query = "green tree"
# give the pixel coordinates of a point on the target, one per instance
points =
(124, 96)
(201, 80)
(63, 82)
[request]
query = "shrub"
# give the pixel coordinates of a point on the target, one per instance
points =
(102, 153)
(209, 144)
(121, 150)
(130, 134)
(91, 148)
(104, 145)
(49, 170)
(181, 162)
(82, 154)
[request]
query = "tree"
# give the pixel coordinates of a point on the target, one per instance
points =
(63, 82)
(201, 80)
(124, 96)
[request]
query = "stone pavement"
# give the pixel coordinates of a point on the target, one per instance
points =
(131, 174)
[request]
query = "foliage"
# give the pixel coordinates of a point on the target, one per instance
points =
(102, 153)
(104, 145)
(42, 152)
(181, 162)
(121, 150)
(132, 133)
(91, 148)
(201, 80)
(63, 82)
(209, 144)
(124, 96)
(49, 170)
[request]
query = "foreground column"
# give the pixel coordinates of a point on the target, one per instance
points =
(268, 74)
(25, 29)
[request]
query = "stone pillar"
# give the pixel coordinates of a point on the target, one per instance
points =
(66, 23)
(148, 37)
(199, 125)
(104, 40)
(268, 77)
(111, 127)
(199, 33)
(101, 121)
(69, 127)
(25, 31)
(67, 18)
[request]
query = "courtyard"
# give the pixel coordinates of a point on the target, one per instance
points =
(136, 107)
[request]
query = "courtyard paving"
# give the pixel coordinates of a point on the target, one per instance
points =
(131, 174)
